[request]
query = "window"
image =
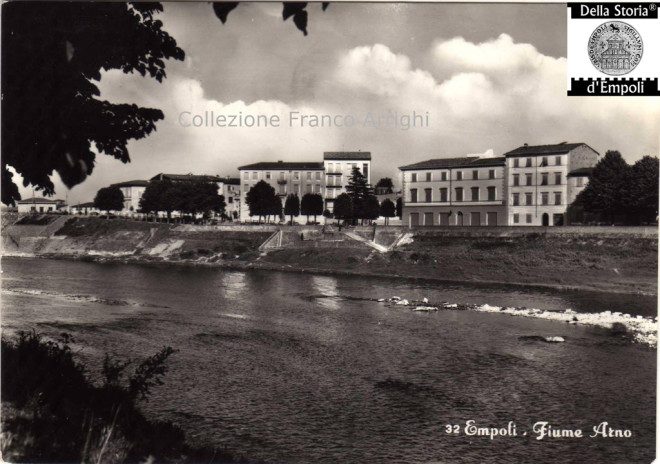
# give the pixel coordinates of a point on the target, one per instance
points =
(281, 189)
(443, 194)
(413, 177)
(516, 180)
(254, 175)
(529, 199)
(459, 193)
(308, 188)
(528, 218)
(331, 167)
(528, 179)
(309, 175)
(491, 193)
(268, 175)
(516, 199)
(281, 175)
(246, 187)
(544, 198)
(557, 178)
(475, 175)
(544, 161)
(544, 178)
(491, 174)
(459, 175)
(557, 198)
(529, 163)
(443, 175)
(246, 175)
(230, 200)
(428, 176)
(475, 193)
(558, 160)
(317, 175)
(516, 218)
(516, 163)
(413, 195)
(365, 170)
(317, 188)
(296, 175)
(580, 181)
(428, 195)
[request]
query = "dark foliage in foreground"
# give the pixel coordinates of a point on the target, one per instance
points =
(52, 412)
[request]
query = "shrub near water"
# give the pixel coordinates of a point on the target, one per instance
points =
(53, 413)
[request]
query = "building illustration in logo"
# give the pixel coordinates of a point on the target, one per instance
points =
(615, 48)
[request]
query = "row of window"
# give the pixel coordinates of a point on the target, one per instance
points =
(428, 176)
(529, 199)
(475, 194)
(545, 161)
(296, 188)
(454, 219)
(269, 175)
(545, 179)
(336, 167)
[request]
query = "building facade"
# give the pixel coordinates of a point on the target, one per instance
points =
(338, 166)
(538, 181)
(286, 178)
(230, 189)
(39, 205)
(454, 191)
(528, 186)
(132, 191)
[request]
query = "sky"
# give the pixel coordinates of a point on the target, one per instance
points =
(487, 78)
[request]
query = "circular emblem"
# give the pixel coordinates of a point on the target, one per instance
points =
(615, 48)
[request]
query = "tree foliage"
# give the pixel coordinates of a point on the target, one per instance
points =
(365, 204)
(262, 201)
(399, 207)
(387, 209)
(618, 192)
(292, 206)
(311, 205)
(109, 199)
(385, 184)
(343, 207)
(188, 197)
(52, 117)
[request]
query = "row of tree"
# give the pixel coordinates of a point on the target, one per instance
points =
(190, 197)
(620, 193)
(358, 203)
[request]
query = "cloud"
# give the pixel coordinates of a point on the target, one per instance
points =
(486, 98)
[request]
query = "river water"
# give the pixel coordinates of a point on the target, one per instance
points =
(298, 368)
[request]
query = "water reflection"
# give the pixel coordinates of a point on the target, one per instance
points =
(233, 285)
(325, 290)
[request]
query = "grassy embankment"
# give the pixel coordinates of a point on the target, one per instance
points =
(52, 411)
(610, 261)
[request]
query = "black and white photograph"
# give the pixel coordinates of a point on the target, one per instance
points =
(329, 232)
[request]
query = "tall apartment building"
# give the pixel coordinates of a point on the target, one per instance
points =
(230, 188)
(531, 185)
(544, 180)
(338, 168)
(285, 177)
(454, 191)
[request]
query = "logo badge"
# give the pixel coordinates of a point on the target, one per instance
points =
(615, 48)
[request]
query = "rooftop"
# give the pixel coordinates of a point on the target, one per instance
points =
(231, 180)
(187, 177)
(33, 200)
(281, 165)
(89, 204)
(449, 163)
(132, 183)
(347, 155)
(556, 149)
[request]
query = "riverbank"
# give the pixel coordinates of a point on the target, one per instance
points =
(605, 260)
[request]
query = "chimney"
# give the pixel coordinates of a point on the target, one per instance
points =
(526, 144)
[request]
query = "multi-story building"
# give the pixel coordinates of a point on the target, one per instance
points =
(454, 191)
(338, 167)
(132, 191)
(230, 188)
(539, 187)
(285, 177)
(39, 205)
(531, 185)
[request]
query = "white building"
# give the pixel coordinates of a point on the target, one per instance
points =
(338, 167)
(39, 205)
(132, 191)
(539, 187)
(230, 188)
